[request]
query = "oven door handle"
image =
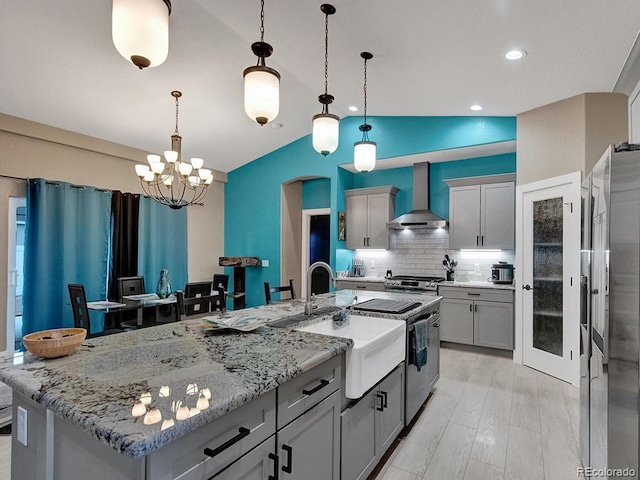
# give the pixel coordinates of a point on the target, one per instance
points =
(419, 319)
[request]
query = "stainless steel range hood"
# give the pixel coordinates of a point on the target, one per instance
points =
(420, 216)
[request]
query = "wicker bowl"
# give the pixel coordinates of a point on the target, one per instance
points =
(54, 343)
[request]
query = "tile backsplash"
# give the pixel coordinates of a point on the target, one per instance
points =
(420, 252)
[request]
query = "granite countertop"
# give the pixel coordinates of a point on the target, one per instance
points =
(97, 386)
(497, 286)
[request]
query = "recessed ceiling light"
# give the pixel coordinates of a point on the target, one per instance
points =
(515, 54)
(353, 108)
(476, 108)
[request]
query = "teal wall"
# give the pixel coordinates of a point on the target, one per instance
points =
(253, 191)
(316, 193)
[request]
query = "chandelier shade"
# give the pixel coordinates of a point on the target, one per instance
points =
(140, 30)
(175, 183)
(325, 131)
(261, 83)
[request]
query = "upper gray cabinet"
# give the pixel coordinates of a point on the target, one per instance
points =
(368, 212)
(482, 212)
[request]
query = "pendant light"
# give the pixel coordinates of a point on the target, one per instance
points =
(175, 183)
(261, 83)
(364, 151)
(325, 126)
(140, 30)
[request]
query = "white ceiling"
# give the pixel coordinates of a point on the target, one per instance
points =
(431, 57)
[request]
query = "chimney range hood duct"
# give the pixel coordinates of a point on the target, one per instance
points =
(420, 216)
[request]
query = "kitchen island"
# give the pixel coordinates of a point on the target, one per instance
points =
(120, 397)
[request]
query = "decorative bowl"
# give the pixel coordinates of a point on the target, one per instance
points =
(54, 343)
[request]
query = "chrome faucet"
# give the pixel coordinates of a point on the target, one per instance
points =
(309, 306)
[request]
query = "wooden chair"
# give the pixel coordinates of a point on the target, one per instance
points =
(198, 290)
(182, 303)
(130, 286)
(287, 288)
(81, 312)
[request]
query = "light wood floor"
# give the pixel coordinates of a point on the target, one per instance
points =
(490, 418)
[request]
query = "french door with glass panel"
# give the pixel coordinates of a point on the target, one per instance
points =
(548, 293)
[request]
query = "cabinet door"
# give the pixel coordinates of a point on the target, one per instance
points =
(259, 464)
(498, 215)
(357, 207)
(389, 410)
(358, 451)
(464, 216)
(493, 324)
(309, 447)
(456, 320)
(378, 217)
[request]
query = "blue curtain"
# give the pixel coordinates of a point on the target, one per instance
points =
(162, 243)
(66, 241)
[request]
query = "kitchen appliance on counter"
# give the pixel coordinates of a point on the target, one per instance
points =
(408, 283)
(610, 313)
(357, 268)
(502, 272)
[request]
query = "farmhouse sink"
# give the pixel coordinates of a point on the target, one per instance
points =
(379, 346)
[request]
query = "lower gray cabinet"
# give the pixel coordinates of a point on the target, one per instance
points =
(309, 447)
(259, 464)
(477, 316)
(370, 426)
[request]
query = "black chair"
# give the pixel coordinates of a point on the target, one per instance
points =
(130, 286)
(198, 290)
(81, 311)
(183, 303)
(221, 280)
(287, 288)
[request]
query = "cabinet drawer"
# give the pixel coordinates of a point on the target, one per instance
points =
(185, 458)
(303, 392)
(488, 294)
(351, 285)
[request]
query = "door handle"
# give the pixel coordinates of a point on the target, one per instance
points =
(274, 457)
(243, 432)
(287, 468)
(595, 291)
(381, 407)
(527, 287)
(323, 383)
(384, 399)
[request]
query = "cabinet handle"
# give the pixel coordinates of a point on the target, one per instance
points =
(368, 241)
(477, 240)
(473, 294)
(527, 287)
(287, 468)
(364, 241)
(274, 457)
(323, 383)
(471, 307)
(381, 407)
(384, 399)
(482, 240)
(476, 307)
(216, 451)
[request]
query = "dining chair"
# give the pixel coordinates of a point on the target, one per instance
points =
(130, 286)
(286, 288)
(221, 280)
(197, 290)
(183, 303)
(81, 311)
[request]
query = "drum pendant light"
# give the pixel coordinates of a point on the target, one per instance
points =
(261, 83)
(364, 151)
(140, 30)
(325, 126)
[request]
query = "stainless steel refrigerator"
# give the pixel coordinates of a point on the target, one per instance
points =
(610, 313)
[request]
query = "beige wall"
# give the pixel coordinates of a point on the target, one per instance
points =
(291, 238)
(31, 150)
(569, 135)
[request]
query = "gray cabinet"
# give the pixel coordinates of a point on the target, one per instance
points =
(477, 316)
(259, 464)
(368, 212)
(482, 212)
(370, 425)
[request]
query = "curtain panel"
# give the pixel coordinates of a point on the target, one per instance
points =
(67, 239)
(162, 243)
(123, 260)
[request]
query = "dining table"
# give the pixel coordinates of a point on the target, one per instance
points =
(138, 303)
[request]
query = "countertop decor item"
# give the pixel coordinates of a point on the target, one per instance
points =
(326, 126)
(177, 183)
(450, 267)
(140, 31)
(261, 83)
(163, 290)
(364, 151)
(54, 343)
